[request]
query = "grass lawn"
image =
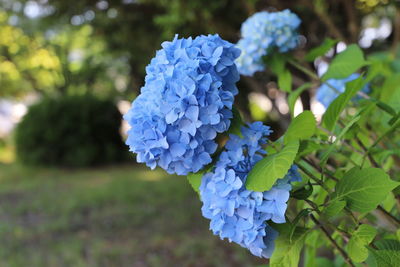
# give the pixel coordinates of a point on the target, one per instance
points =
(111, 216)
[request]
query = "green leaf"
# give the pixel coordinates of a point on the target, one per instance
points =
(195, 180)
(386, 258)
(387, 248)
(286, 253)
(364, 189)
(389, 87)
(325, 156)
(302, 214)
(385, 107)
(345, 63)
(271, 168)
(277, 63)
(388, 244)
(324, 262)
(302, 127)
(320, 50)
(312, 241)
(303, 192)
(334, 208)
(337, 106)
(294, 95)
(359, 240)
(285, 81)
(307, 147)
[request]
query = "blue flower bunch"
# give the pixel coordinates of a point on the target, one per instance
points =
(326, 94)
(239, 214)
(187, 99)
(263, 32)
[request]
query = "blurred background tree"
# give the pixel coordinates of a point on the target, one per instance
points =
(104, 46)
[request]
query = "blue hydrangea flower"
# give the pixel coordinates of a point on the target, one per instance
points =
(239, 214)
(325, 94)
(186, 100)
(263, 33)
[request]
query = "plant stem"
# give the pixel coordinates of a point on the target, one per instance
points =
(334, 243)
(371, 159)
(365, 150)
(303, 69)
(313, 177)
(319, 169)
(388, 214)
(391, 129)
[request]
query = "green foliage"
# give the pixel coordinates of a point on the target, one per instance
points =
(345, 63)
(302, 127)
(326, 154)
(287, 250)
(72, 131)
(333, 208)
(359, 240)
(338, 105)
(387, 253)
(195, 180)
(271, 168)
(277, 64)
(320, 50)
(364, 189)
(303, 192)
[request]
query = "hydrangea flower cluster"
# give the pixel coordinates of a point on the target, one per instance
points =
(186, 100)
(263, 32)
(325, 94)
(235, 212)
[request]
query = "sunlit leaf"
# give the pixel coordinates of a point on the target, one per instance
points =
(337, 106)
(345, 63)
(303, 126)
(195, 180)
(287, 253)
(271, 168)
(364, 189)
(320, 50)
(359, 240)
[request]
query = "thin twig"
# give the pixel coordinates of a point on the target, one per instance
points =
(334, 243)
(319, 169)
(371, 159)
(313, 177)
(388, 214)
(364, 148)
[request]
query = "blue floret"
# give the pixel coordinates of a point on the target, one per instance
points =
(239, 214)
(326, 94)
(263, 33)
(186, 101)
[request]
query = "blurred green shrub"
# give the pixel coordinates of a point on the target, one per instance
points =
(72, 131)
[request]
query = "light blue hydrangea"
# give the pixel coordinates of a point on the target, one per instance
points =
(263, 33)
(186, 100)
(326, 94)
(239, 214)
